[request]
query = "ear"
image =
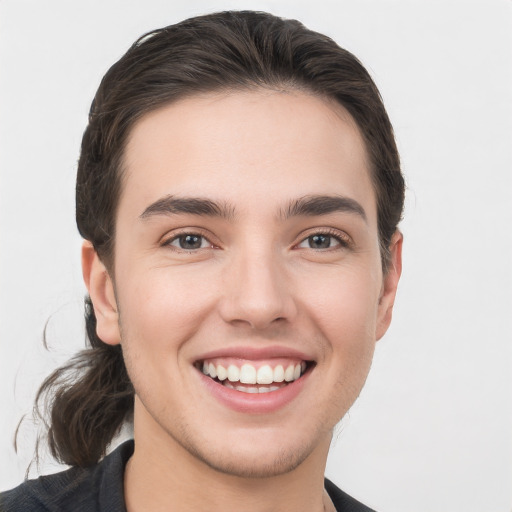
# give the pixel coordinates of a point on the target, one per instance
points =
(389, 285)
(101, 290)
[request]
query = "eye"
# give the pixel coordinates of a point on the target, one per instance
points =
(189, 242)
(321, 241)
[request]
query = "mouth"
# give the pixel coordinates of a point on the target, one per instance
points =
(254, 377)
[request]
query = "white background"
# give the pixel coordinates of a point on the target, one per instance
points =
(432, 431)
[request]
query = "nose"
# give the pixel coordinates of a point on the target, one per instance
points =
(257, 292)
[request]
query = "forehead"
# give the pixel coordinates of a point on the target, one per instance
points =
(243, 147)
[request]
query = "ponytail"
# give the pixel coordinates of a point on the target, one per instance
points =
(88, 400)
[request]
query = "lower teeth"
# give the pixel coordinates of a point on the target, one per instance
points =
(251, 389)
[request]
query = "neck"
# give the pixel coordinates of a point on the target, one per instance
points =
(162, 475)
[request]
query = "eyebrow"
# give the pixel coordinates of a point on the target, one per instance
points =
(311, 206)
(172, 205)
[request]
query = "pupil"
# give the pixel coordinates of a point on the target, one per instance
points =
(190, 242)
(320, 241)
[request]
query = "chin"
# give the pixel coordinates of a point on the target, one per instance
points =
(256, 454)
(239, 463)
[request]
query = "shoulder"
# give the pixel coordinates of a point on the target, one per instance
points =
(48, 493)
(342, 501)
(98, 488)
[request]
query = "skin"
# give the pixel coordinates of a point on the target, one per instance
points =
(256, 281)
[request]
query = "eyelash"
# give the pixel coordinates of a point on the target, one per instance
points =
(343, 240)
(168, 242)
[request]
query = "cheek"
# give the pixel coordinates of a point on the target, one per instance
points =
(344, 306)
(159, 314)
(345, 312)
(161, 311)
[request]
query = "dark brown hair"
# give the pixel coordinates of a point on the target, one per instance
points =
(91, 397)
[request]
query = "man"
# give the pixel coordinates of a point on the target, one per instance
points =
(238, 191)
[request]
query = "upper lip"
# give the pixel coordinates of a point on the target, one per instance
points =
(252, 353)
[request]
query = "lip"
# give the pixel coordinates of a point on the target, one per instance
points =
(256, 353)
(255, 403)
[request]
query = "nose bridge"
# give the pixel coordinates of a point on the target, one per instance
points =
(256, 288)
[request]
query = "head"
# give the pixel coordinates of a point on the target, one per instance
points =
(231, 64)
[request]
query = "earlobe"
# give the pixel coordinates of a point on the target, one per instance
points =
(389, 285)
(101, 290)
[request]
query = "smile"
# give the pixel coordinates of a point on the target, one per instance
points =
(251, 376)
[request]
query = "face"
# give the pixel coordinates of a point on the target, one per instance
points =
(247, 291)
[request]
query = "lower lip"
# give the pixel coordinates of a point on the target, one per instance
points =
(256, 403)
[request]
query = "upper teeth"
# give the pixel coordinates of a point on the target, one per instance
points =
(248, 374)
